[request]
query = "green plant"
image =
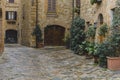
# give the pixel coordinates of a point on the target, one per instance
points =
(77, 34)
(103, 30)
(116, 15)
(95, 1)
(38, 33)
(67, 41)
(83, 47)
(110, 48)
(91, 48)
(90, 33)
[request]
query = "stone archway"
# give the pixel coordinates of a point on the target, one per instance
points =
(53, 35)
(11, 36)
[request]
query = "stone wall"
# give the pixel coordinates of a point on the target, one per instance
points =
(91, 13)
(63, 18)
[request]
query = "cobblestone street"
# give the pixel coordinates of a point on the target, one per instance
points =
(23, 63)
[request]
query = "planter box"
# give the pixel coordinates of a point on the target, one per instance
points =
(113, 63)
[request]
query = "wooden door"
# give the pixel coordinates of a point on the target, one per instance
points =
(11, 36)
(54, 35)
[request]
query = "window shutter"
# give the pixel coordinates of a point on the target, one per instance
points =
(6, 15)
(15, 15)
(51, 5)
(11, 1)
(54, 5)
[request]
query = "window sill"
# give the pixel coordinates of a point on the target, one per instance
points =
(51, 14)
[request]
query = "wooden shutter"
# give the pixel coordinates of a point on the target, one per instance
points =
(54, 5)
(15, 15)
(51, 5)
(6, 15)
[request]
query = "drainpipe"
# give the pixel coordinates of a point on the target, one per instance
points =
(72, 19)
(36, 12)
(36, 19)
(73, 9)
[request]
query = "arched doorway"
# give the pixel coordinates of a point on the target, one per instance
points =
(53, 35)
(11, 36)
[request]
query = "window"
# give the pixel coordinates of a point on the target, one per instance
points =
(11, 15)
(101, 19)
(51, 5)
(112, 13)
(10, 1)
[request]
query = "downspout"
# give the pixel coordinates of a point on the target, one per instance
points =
(36, 20)
(73, 9)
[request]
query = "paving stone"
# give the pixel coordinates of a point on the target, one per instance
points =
(49, 63)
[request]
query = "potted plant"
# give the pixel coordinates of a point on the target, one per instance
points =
(91, 50)
(83, 48)
(102, 32)
(90, 33)
(109, 52)
(77, 34)
(38, 34)
(114, 58)
(67, 41)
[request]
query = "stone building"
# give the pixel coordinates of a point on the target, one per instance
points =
(18, 19)
(54, 18)
(98, 13)
(1, 28)
(10, 20)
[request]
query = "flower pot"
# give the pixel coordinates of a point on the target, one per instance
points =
(113, 63)
(40, 45)
(96, 59)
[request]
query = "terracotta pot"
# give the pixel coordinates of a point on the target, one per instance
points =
(113, 63)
